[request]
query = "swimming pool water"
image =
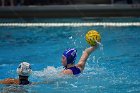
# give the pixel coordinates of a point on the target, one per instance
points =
(113, 69)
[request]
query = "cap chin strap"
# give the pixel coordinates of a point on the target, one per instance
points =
(67, 65)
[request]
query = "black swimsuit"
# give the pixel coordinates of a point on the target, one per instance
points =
(75, 70)
(24, 82)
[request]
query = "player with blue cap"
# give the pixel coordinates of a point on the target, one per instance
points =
(69, 57)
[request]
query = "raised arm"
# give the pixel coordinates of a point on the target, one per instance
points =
(84, 57)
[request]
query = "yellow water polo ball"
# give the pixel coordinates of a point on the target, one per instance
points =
(92, 37)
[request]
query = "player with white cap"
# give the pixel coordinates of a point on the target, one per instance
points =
(24, 70)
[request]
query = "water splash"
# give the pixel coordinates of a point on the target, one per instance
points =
(50, 75)
(48, 72)
(100, 46)
(70, 37)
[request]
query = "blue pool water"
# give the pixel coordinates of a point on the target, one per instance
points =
(112, 68)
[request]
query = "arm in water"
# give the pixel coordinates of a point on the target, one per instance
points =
(9, 81)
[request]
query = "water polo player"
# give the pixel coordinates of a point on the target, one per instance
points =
(24, 71)
(69, 55)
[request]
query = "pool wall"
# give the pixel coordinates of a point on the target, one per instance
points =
(100, 10)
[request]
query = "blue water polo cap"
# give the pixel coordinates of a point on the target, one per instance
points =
(70, 55)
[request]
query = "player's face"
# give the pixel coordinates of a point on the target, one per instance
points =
(64, 61)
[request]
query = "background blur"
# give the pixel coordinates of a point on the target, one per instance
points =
(64, 2)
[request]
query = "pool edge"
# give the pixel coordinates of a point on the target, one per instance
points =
(59, 11)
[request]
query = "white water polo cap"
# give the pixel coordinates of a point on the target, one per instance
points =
(24, 69)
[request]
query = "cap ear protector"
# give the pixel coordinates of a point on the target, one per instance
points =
(24, 69)
(70, 55)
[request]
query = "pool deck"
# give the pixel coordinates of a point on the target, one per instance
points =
(58, 11)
